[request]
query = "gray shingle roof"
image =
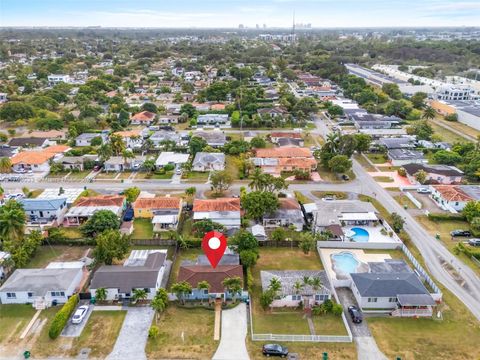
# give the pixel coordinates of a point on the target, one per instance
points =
(388, 285)
(204, 158)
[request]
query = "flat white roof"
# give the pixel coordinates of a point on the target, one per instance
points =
(171, 158)
(164, 219)
(90, 210)
(54, 193)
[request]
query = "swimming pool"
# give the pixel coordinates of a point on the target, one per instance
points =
(345, 262)
(359, 234)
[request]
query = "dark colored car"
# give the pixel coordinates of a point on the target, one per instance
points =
(274, 350)
(355, 314)
(345, 177)
(456, 233)
(128, 216)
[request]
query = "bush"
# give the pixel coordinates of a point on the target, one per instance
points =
(153, 332)
(62, 316)
(446, 217)
(451, 117)
(337, 310)
(402, 172)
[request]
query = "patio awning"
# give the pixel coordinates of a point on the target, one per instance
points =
(336, 230)
(369, 216)
(415, 300)
(164, 219)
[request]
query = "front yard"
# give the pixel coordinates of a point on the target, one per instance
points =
(13, 319)
(193, 176)
(184, 334)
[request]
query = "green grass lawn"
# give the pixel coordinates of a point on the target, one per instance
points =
(46, 254)
(142, 229)
(13, 319)
(450, 136)
(72, 232)
(405, 201)
(339, 195)
(302, 198)
(365, 164)
(331, 177)
(329, 324)
(377, 158)
(80, 175)
(184, 334)
(167, 175)
(383, 179)
(196, 176)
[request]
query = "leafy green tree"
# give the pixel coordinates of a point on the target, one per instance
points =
(339, 164)
(190, 191)
(218, 91)
(421, 176)
(248, 258)
(201, 227)
(131, 194)
(16, 110)
(244, 240)
(421, 129)
(258, 142)
(233, 285)
(279, 234)
(392, 90)
(397, 222)
(447, 157)
(306, 105)
(266, 299)
(307, 243)
(105, 152)
(117, 144)
(181, 289)
(111, 245)
(418, 100)
(429, 113)
(451, 117)
(196, 145)
(12, 221)
(101, 294)
(220, 181)
(151, 107)
(188, 109)
(257, 204)
(362, 142)
(100, 221)
(471, 210)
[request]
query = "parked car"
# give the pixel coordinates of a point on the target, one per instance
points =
(463, 233)
(345, 177)
(80, 314)
(97, 168)
(355, 314)
(128, 216)
(474, 242)
(423, 190)
(274, 350)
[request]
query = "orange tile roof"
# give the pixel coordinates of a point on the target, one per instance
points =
(217, 107)
(57, 149)
(143, 116)
(31, 157)
(157, 203)
(284, 152)
(102, 200)
(297, 162)
(222, 204)
(289, 204)
(291, 135)
(129, 133)
(452, 193)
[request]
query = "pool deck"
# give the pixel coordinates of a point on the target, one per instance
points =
(360, 255)
(374, 233)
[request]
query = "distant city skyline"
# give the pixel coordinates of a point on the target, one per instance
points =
(231, 13)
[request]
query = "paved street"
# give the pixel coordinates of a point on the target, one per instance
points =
(234, 331)
(133, 336)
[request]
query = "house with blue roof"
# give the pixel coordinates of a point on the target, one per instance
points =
(45, 211)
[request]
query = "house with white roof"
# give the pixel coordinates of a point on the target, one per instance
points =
(172, 158)
(225, 211)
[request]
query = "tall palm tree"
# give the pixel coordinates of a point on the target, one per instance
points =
(127, 154)
(5, 165)
(105, 152)
(306, 281)
(12, 221)
(203, 285)
(316, 283)
(429, 113)
(257, 182)
(139, 294)
(297, 287)
(275, 285)
(333, 141)
(117, 144)
(233, 285)
(159, 305)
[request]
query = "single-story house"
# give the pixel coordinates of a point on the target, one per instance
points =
(436, 174)
(132, 138)
(85, 139)
(165, 120)
(36, 161)
(164, 211)
(42, 211)
(30, 142)
(87, 206)
(454, 197)
(402, 142)
(160, 136)
(41, 287)
(76, 162)
(401, 157)
(118, 163)
(402, 292)
(225, 211)
(212, 119)
(288, 213)
(143, 118)
(144, 269)
(272, 112)
(276, 160)
(277, 136)
(213, 138)
(204, 161)
(172, 158)
(4, 257)
(193, 274)
(259, 232)
(293, 289)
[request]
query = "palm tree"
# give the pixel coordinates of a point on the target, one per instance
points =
(12, 221)
(117, 144)
(257, 182)
(203, 285)
(5, 165)
(275, 285)
(429, 113)
(306, 281)
(316, 283)
(190, 191)
(101, 294)
(297, 287)
(233, 285)
(127, 154)
(333, 141)
(139, 294)
(181, 289)
(149, 165)
(159, 302)
(105, 152)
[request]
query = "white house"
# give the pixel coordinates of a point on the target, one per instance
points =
(454, 197)
(294, 290)
(144, 269)
(225, 211)
(85, 139)
(212, 119)
(208, 162)
(42, 287)
(43, 211)
(36, 161)
(168, 157)
(55, 79)
(132, 138)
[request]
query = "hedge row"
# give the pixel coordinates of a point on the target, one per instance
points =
(446, 217)
(62, 316)
(468, 251)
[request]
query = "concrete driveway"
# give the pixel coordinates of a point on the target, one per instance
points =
(75, 330)
(367, 348)
(133, 336)
(234, 331)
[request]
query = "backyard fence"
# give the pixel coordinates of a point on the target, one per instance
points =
(160, 242)
(273, 243)
(358, 245)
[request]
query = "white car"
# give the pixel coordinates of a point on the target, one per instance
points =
(423, 190)
(80, 314)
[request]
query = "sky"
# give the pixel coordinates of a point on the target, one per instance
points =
(231, 13)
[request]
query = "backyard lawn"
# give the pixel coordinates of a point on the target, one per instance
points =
(189, 254)
(142, 229)
(184, 334)
(46, 254)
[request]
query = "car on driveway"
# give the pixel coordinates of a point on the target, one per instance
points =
(474, 242)
(423, 190)
(80, 314)
(274, 350)
(463, 233)
(355, 314)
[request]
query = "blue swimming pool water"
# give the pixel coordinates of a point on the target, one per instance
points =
(361, 235)
(345, 262)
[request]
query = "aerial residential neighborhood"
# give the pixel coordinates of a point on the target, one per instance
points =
(215, 181)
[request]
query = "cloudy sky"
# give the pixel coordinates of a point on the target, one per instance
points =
(231, 13)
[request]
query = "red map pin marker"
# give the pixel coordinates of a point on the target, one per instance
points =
(214, 244)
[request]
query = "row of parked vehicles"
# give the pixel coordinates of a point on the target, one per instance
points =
(465, 233)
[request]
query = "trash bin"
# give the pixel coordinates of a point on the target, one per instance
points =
(26, 354)
(93, 300)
